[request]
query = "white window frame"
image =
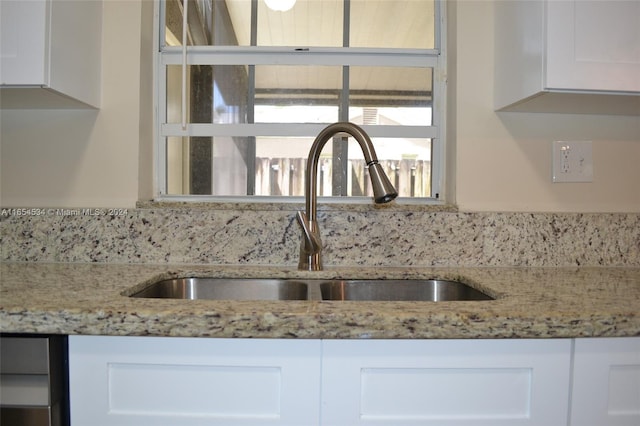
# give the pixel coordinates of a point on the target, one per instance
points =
(339, 56)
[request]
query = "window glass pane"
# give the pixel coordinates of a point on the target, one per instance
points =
(215, 94)
(211, 23)
(413, 24)
(177, 166)
(297, 94)
(208, 166)
(280, 165)
(406, 161)
(309, 23)
(390, 95)
(281, 162)
(235, 23)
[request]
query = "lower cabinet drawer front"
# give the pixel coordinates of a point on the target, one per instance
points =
(517, 382)
(164, 381)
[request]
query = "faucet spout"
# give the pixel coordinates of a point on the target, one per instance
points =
(383, 190)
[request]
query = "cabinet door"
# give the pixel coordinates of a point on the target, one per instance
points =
(152, 381)
(606, 382)
(593, 45)
(446, 382)
(23, 33)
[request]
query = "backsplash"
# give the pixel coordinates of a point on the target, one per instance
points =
(261, 235)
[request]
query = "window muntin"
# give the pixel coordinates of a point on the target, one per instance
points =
(255, 98)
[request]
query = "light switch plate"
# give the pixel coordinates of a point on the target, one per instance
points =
(572, 161)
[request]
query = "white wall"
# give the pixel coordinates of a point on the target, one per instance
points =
(503, 161)
(82, 157)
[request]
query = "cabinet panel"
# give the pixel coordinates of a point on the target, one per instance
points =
(203, 390)
(451, 382)
(50, 53)
(593, 45)
(437, 393)
(574, 56)
(23, 31)
(606, 384)
(165, 381)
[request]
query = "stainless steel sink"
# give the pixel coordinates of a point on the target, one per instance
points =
(431, 290)
(397, 290)
(226, 289)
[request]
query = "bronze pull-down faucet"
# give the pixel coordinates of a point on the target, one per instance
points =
(383, 190)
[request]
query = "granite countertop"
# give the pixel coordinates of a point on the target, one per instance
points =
(82, 298)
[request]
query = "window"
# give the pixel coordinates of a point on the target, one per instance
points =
(243, 92)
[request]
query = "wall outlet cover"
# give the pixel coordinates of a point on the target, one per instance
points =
(572, 161)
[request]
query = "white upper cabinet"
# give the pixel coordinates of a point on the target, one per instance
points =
(573, 56)
(50, 53)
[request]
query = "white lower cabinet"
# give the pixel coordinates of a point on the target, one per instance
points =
(446, 382)
(606, 383)
(158, 381)
(152, 381)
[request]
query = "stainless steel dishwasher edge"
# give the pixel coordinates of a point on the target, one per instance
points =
(33, 380)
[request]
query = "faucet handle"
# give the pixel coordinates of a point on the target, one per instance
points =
(312, 241)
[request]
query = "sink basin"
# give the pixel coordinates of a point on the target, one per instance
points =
(397, 290)
(432, 290)
(226, 289)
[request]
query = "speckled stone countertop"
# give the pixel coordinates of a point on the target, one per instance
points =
(92, 299)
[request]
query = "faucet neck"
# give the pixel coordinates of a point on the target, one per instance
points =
(311, 181)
